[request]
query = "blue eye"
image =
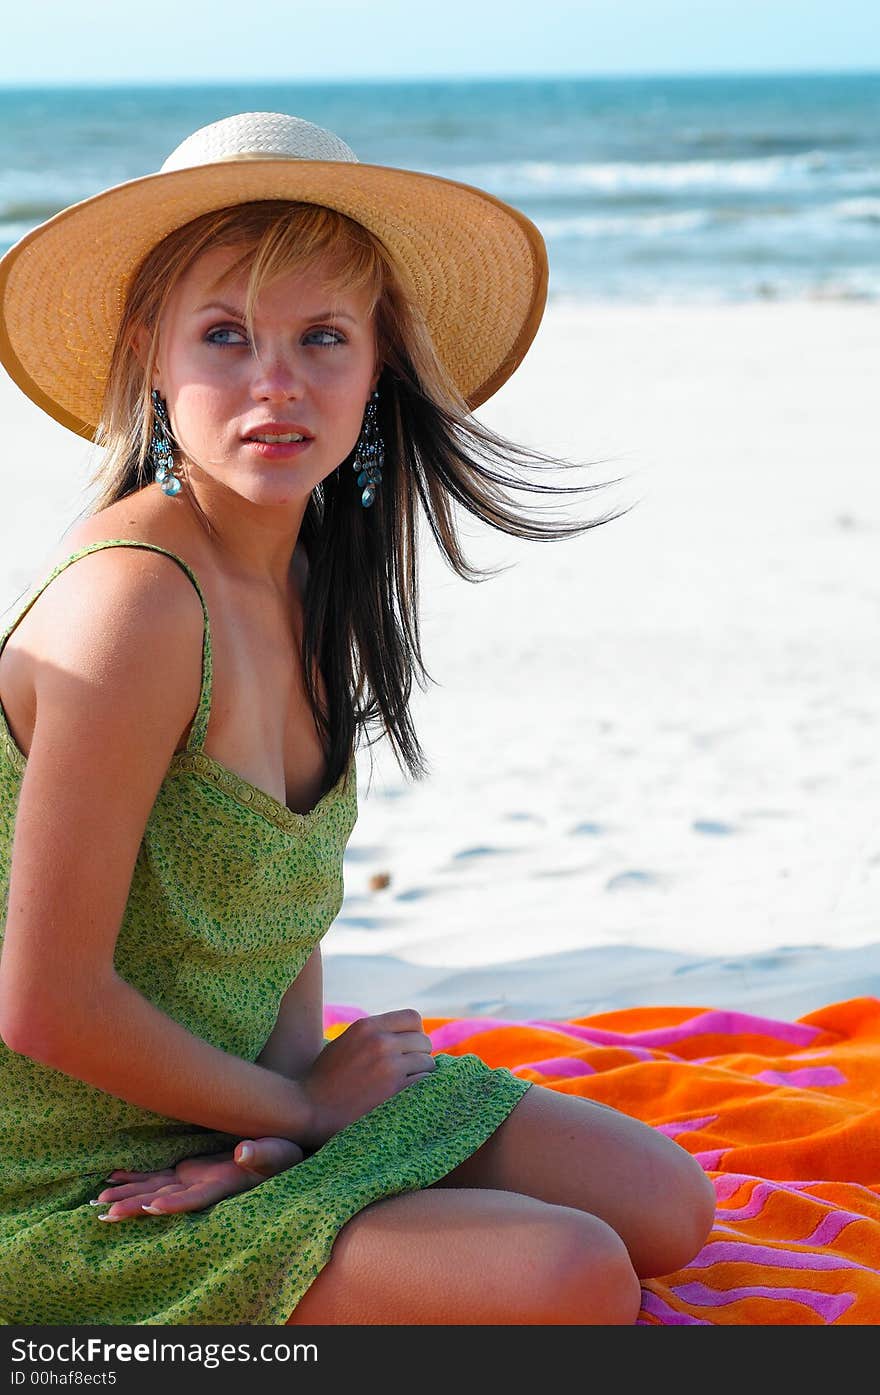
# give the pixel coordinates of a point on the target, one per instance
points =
(212, 334)
(332, 336)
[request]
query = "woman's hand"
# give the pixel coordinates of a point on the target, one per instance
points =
(195, 1183)
(374, 1058)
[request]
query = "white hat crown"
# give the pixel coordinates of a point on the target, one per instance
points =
(258, 135)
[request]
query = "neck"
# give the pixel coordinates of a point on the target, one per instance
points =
(255, 541)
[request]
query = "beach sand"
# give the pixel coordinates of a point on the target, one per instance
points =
(655, 767)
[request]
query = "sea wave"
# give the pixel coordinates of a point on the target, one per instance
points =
(865, 210)
(649, 225)
(852, 219)
(806, 172)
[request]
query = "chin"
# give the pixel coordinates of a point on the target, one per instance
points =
(263, 487)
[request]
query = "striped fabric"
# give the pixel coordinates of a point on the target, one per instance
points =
(784, 1116)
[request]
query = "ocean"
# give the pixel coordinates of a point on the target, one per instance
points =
(645, 189)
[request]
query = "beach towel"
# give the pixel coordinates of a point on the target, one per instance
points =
(783, 1116)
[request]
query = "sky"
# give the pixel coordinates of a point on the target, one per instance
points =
(103, 41)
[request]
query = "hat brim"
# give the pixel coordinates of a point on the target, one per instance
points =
(477, 267)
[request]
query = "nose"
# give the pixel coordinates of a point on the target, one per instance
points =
(276, 376)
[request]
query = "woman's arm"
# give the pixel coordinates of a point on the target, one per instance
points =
(116, 656)
(297, 1039)
(117, 664)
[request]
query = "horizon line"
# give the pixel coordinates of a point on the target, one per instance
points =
(351, 80)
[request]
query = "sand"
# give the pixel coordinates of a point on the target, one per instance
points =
(653, 748)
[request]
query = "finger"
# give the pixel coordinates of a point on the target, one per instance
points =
(120, 1191)
(419, 1075)
(400, 1020)
(193, 1198)
(413, 1041)
(421, 1064)
(134, 1206)
(267, 1156)
(131, 1206)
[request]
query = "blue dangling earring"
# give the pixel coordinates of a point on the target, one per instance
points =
(161, 452)
(370, 454)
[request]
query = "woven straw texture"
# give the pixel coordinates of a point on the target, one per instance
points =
(476, 266)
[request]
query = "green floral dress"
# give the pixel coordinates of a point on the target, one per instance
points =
(230, 894)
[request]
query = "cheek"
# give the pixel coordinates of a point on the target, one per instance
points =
(201, 399)
(345, 403)
(198, 415)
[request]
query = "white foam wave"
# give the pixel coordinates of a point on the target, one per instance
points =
(652, 225)
(865, 210)
(541, 177)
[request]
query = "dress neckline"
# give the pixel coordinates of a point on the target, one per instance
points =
(193, 760)
(251, 796)
(222, 778)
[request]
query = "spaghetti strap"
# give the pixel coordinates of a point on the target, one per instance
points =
(203, 711)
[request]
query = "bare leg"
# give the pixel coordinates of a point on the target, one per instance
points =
(573, 1152)
(462, 1257)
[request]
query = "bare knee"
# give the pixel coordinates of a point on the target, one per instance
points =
(586, 1275)
(679, 1228)
(473, 1257)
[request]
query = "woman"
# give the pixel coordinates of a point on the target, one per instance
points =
(279, 350)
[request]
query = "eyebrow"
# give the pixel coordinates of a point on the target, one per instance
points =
(239, 314)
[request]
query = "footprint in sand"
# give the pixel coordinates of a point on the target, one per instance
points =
(717, 827)
(586, 830)
(623, 881)
(363, 853)
(362, 922)
(480, 850)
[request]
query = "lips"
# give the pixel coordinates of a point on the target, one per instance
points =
(278, 433)
(286, 440)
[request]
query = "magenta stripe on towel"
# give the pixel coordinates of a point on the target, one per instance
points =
(729, 1183)
(452, 1033)
(728, 1252)
(830, 1226)
(672, 1130)
(558, 1065)
(714, 1023)
(829, 1306)
(658, 1307)
(817, 1076)
(341, 1012)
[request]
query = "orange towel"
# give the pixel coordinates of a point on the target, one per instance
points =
(784, 1117)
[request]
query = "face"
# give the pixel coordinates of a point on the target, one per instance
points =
(309, 373)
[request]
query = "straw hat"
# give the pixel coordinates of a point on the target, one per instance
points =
(477, 267)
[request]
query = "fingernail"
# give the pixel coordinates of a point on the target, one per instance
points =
(108, 1217)
(97, 1203)
(152, 1210)
(245, 1153)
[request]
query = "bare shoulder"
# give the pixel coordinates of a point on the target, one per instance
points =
(133, 519)
(115, 598)
(115, 632)
(109, 618)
